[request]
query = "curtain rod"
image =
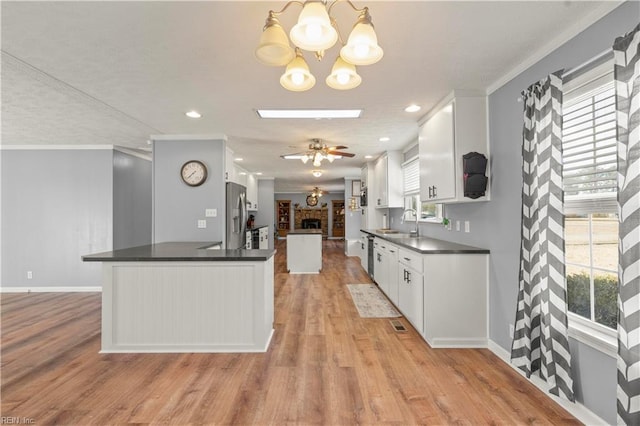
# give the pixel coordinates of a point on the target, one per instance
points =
(572, 73)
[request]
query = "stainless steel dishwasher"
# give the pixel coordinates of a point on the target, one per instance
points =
(370, 262)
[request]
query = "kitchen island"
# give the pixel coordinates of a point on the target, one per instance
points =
(186, 297)
(304, 251)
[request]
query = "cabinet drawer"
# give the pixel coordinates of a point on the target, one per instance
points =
(410, 258)
(391, 250)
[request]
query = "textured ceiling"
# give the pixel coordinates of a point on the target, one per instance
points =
(77, 73)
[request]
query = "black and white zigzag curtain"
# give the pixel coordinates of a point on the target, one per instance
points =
(540, 341)
(626, 52)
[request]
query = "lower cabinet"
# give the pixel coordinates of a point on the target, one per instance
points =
(263, 238)
(386, 268)
(455, 300)
(411, 288)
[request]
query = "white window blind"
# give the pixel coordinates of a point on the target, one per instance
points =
(411, 177)
(589, 141)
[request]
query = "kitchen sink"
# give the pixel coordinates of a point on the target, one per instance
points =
(387, 231)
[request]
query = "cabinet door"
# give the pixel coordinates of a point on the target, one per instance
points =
(411, 297)
(252, 192)
(437, 156)
(381, 188)
(263, 238)
(380, 269)
(393, 274)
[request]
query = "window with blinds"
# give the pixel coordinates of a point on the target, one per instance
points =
(411, 177)
(589, 140)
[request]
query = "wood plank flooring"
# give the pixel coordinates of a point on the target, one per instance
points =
(325, 365)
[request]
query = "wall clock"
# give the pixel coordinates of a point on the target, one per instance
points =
(312, 201)
(194, 173)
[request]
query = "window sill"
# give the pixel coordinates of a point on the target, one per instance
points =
(596, 336)
(432, 220)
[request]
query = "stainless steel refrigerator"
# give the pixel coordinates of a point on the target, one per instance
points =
(236, 215)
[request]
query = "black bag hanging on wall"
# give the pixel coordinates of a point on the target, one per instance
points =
(474, 166)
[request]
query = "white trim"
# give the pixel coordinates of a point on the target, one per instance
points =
(594, 335)
(52, 147)
(576, 409)
(50, 289)
(215, 136)
(554, 44)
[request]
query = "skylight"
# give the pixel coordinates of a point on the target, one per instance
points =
(309, 113)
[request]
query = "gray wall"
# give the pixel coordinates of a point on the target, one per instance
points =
(177, 207)
(496, 224)
(132, 201)
(56, 206)
(266, 207)
(353, 218)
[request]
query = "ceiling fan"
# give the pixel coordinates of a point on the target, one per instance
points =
(319, 151)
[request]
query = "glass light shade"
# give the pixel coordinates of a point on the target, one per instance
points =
(297, 77)
(343, 76)
(330, 157)
(274, 48)
(313, 31)
(362, 46)
(304, 159)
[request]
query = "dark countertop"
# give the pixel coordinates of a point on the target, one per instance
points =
(305, 231)
(426, 245)
(179, 251)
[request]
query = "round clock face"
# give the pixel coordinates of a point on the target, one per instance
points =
(194, 173)
(312, 201)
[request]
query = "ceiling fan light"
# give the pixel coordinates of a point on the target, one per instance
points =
(343, 76)
(297, 77)
(330, 157)
(304, 159)
(362, 46)
(313, 31)
(274, 49)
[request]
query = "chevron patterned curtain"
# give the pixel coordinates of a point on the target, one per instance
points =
(540, 342)
(626, 52)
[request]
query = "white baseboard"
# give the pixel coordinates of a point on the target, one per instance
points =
(49, 289)
(578, 410)
(457, 343)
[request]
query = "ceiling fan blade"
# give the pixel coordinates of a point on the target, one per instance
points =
(294, 156)
(334, 148)
(344, 154)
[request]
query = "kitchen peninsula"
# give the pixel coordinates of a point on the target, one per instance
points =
(186, 297)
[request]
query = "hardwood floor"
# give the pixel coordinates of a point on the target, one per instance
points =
(325, 365)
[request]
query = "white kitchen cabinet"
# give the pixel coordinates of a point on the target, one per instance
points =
(455, 300)
(388, 180)
(456, 126)
(386, 268)
(229, 166)
(263, 238)
(411, 288)
(252, 192)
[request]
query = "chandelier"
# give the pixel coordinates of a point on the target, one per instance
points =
(317, 31)
(316, 193)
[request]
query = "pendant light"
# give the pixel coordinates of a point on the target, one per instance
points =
(316, 31)
(362, 46)
(297, 77)
(343, 75)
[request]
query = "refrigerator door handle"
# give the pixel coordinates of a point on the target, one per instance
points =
(243, 214)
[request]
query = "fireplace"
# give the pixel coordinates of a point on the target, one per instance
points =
(310, 223)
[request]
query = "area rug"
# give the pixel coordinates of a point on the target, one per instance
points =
(370, 302)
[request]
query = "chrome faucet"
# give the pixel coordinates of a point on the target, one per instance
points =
(415, 232)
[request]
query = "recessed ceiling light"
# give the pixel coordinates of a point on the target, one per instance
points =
(412, 108)
(243, 173)
(259, 173)
(309, 113)
(193, 114)
(384, 139)
(317, 173)
(239, 159)
(368, 156)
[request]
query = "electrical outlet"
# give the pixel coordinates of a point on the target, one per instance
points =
(202, 223)
(29, 275)
(511, 331)
(467, 226)
(211, 212)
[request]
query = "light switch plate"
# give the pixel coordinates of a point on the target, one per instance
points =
(211, 212)
(202, 223)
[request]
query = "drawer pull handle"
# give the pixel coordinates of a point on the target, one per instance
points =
(407, 259)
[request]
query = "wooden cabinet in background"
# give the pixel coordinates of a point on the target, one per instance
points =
(337, 210)
(283, 211)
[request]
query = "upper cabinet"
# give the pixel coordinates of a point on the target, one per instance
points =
(252, 192)
(387, 191)
(363, 176)
(457, 126)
